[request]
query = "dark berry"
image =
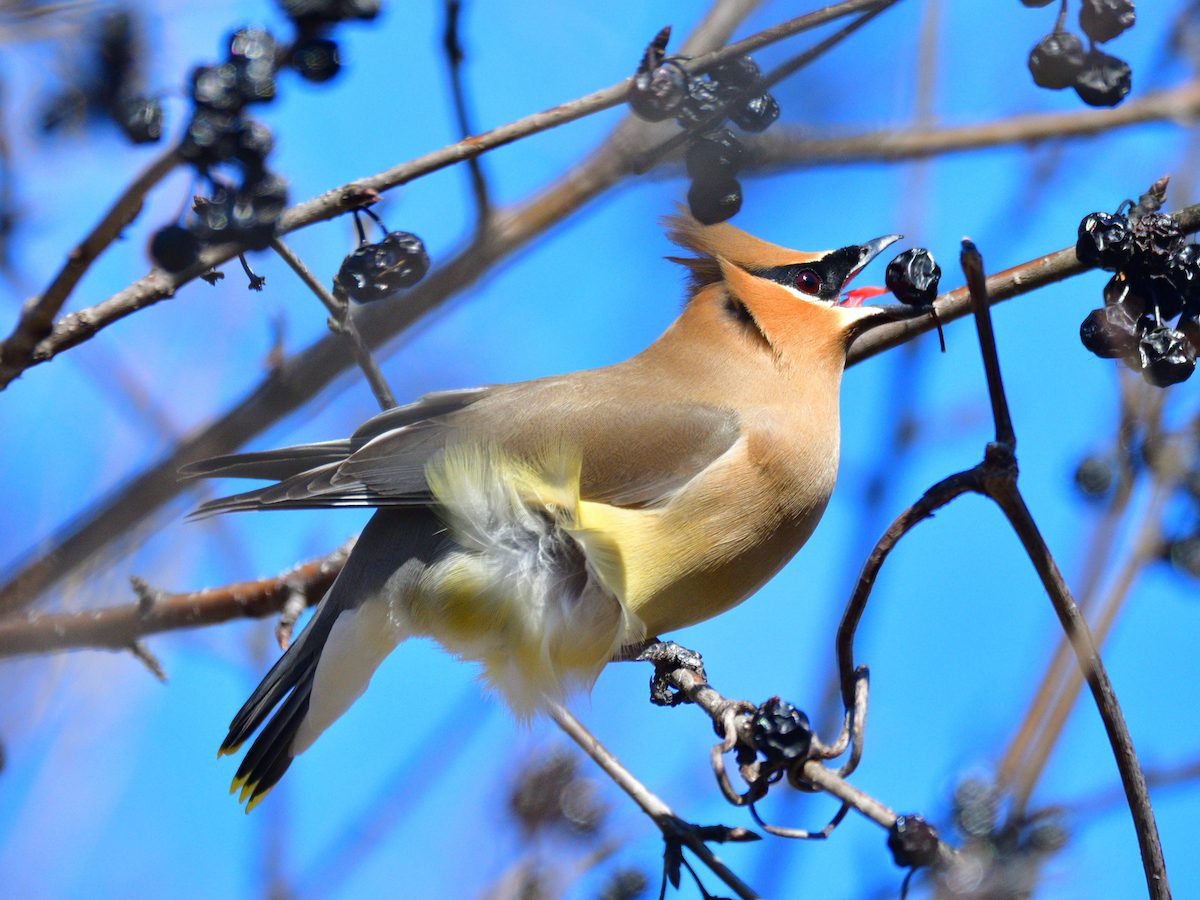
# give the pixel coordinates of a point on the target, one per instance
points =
(216, 87)
(252, 44)
(658, 94)
(976, 807)
(364, 10)
(1117, 291)
(1183, 269)
(316, 59)
(310, 13)
(254, 143)
(1103, 20)
(756, 114)
(1185, 555)
(1104, 80)
(1104, 241)
(1056, 60)
(913, 842)
(211, 137)
(257, 208)
(1047, 837)
(714, 155)
(913, 277)
(141, 119)
(1036, 4)
(214, 215)
(715, 200)
(780, 732)
(174, 248)
(1110, 332)
(1156, 289)
(740, 73)
(1156, 235)
(375, 271)
(1167, 357)
(1094, 476)
(702, 105)
(255, 79)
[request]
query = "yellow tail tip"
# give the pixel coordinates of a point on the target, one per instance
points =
(256, 799)
(227, 750)
(247, 790)
(236, 784)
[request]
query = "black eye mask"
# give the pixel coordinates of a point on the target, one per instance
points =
(830, 271)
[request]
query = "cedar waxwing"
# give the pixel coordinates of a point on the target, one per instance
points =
(540, 527)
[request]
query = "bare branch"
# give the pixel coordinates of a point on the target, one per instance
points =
(17, 352)
(122, 627)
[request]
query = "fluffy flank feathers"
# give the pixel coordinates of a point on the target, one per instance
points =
(521, 595)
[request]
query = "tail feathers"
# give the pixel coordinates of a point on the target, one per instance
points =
(272, 751)
(274, 465)
(296, 666)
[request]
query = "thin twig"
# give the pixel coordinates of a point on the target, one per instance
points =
(341, 322)
(672, 827)
(38, 314)
(452, 45)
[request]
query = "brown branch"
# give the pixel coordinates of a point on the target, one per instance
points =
(78, 327)
(672, 827)
(37, 317)
(787, 148)
(121, 627)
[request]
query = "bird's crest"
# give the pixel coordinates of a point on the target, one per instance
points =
(712, 243)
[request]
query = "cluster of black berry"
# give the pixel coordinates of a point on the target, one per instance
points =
(1156, 280)
(220, 135)
(663, 89)
(374, 271)
(110, 85)
(314, 54)
(1059, 61)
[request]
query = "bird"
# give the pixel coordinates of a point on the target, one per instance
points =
(539, 527)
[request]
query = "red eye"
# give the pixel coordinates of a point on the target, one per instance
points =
(808, 281)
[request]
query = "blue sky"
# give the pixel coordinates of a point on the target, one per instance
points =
(111, 778)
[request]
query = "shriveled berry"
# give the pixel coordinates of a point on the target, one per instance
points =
(141, 119)
(740, 73)
(1103, 20)
(756, 114)
(1184, 554)
(375, 271)
(976, 807)
(316, 59)
(252, 43)
(1156, 235)
(913, 842)
(780, 732)
(254, 143)
(1056, 60)
(174, 248)
(216, 87)
(702, 106)
(1183, 269)
(1110, 332)
(658, 93)
(1156, 288)
(714, 200)
(1094, 476)
(714, 155)
(214, 215)
(1104, 241)
(211, 137)
(1167, 357)
(1036, 4)
(257, 208)
(1104, 80)
(913, 277)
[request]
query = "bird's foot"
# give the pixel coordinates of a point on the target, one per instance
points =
(666, 657)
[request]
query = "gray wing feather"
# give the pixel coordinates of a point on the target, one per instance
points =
(635, 456)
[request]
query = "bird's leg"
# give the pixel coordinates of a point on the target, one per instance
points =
(666, 657)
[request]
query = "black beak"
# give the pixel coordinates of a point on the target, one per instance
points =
(868, 251)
